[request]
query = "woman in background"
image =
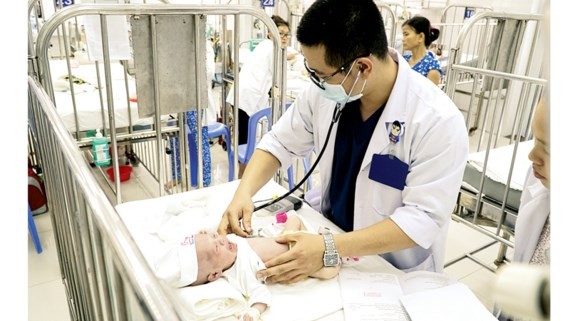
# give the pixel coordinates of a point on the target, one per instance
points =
(417, 37)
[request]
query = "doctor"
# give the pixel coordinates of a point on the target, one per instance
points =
(392, 195)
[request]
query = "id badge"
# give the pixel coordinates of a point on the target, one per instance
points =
(388, 170)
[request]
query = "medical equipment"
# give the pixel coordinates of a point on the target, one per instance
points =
(288, 203)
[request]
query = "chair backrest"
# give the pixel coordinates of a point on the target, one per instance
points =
(252, 130)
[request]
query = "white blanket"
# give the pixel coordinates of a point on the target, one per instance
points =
(156, 220)
(212, 301)
(499, 163)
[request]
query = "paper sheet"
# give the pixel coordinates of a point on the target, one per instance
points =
(450, 303)
(414, 296)
(371, 296)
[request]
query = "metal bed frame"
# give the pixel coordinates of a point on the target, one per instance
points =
(104, 273)
(453, 19)
(149, 144)
(495, 97)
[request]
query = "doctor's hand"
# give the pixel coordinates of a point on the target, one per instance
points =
(302, 260)
(240, 208)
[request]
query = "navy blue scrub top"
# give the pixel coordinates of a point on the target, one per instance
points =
(352, 138)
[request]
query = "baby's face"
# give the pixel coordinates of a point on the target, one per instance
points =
(216, 249)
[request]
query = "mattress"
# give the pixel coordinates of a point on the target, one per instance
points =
(148, 222)
(87, 96)
(497, 171)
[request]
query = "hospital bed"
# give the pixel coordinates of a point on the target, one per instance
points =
(103, 249)
(87, 107)
(104, 273)
(151, 221)
(498, 98)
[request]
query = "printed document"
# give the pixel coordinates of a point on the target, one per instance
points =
(407, 297)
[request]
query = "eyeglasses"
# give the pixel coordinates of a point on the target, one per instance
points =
(320, 81)
(285, 35)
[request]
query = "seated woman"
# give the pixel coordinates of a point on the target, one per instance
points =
(205, 257)
(417, 37)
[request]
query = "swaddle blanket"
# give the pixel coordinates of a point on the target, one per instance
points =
(155, 221)
(212, 301)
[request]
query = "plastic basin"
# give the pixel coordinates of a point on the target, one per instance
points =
(124, 173)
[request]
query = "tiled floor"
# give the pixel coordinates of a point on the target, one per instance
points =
(47, 297)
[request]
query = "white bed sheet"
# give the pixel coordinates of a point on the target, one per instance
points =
(312, 299)
(88, 100)
(499, 163)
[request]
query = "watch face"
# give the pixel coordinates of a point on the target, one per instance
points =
(330, 259)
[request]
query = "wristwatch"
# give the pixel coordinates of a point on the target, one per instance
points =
(331, 257)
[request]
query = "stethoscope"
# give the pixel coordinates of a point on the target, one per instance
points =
(336, 116)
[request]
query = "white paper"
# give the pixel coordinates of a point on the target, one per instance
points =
(371, 296)
(415, 296)
(449, 303)
(423, 280)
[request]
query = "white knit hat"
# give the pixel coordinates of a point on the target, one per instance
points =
(176, 262)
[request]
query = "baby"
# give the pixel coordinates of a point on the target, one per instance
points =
(205, 257)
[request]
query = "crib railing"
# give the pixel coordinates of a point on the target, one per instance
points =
(155, 162)
(105, 275)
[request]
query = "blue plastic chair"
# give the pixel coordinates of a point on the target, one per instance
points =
(246, 150)
(217, 130)
(34, 231)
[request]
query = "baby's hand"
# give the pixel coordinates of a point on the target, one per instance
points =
(249, 314)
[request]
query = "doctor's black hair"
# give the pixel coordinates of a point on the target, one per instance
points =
(346, 29)
(422, 25)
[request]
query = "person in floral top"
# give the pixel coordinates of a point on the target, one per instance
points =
(418, 34)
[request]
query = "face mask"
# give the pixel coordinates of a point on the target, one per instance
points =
(337, 93)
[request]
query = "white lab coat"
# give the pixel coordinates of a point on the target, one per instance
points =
(434, 143)
(255, 78)
(533, 212)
